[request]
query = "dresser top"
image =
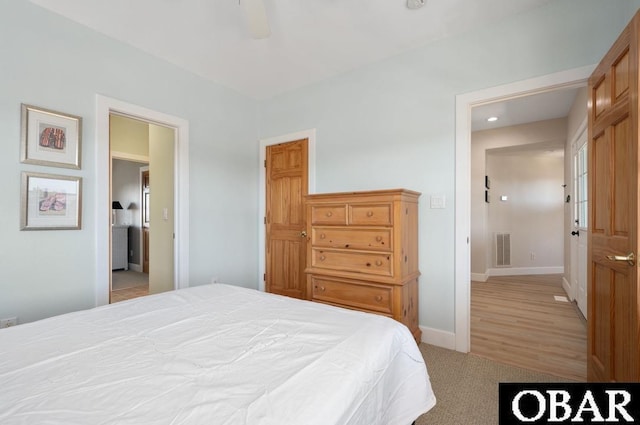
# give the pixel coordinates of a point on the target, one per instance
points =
(384, 192)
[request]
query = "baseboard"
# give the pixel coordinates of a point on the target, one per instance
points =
(567, 288)
(516, 271)
(135, 267)
(479, 277)
(438, 338)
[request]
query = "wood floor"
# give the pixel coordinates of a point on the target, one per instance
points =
(127, 294)
(516, 320)
(128, 284)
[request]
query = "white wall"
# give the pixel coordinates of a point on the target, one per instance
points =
(55, 63)
(530, 134)
(391, 124)
(533, 213)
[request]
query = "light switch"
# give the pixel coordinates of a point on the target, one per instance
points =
(437, 201)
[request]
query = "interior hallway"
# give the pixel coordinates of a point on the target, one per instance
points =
(519, 321)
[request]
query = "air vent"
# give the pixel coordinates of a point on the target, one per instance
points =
(503, 249)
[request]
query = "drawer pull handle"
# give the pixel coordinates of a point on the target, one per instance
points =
(369, 213)
(322, 289)
(378, 238)
(378, 263)
(329, 213)
(322, 236)
(378, 298)
(322, 258)
(368, 264)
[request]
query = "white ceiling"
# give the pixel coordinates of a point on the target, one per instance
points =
(310, 40)
(535, 107)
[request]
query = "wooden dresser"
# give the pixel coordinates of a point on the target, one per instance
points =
(363, 252)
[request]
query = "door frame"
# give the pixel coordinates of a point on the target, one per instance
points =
(461, 339)
(104, 107)
(310, 135)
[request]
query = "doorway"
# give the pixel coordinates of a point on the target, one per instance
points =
(137, 148)
(106, 106)
(460, 340)
(129, 279)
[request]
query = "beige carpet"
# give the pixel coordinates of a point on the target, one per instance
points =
(466, 386)
(126, 279)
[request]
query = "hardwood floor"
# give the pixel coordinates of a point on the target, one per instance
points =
(128, 284)
(127, 294)
(516, 320)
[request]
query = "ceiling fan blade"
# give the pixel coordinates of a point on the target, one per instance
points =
(256, 18)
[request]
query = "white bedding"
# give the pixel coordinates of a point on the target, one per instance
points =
(213, 354)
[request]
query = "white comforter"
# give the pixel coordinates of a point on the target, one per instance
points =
(213, 354)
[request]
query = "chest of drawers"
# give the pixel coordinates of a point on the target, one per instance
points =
(363, 252)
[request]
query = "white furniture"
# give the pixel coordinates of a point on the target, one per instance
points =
(119, 247)
(213, 354)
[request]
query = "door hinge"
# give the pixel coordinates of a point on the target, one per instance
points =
(265, 163)
(264, 277)
(265, 220)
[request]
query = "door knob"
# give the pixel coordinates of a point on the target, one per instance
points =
(630, 258)
(303, 234)
(575, 233)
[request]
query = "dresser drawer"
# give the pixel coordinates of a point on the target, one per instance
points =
(370, 214)
(352, 238)
(329, 214)
(359, 295)
(352, 261)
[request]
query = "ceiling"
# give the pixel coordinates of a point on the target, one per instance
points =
(535, 107)
(310, 40)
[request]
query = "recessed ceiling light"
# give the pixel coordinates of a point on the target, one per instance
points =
(492, 119)
(415, 4)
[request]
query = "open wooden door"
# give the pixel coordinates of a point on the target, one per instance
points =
(613, 327)
(287, 185)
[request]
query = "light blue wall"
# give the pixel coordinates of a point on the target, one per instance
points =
(387, 125)
(51, 62)
(392, 124)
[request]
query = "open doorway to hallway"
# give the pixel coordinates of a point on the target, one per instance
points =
(522, 310)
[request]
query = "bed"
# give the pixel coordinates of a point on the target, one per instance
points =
(213, 354)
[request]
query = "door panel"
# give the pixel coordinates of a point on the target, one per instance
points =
(287, 184)
(614, 328)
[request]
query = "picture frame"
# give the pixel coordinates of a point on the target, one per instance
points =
(50, 138)
(50, 202)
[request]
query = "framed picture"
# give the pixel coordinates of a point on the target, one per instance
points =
(50, 202)
(50, 138)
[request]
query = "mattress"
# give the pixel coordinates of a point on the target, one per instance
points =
(213, 354)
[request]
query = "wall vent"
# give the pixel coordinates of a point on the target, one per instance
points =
(503, 249)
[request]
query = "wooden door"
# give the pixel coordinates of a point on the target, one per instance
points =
(613, 328)
(287, 185)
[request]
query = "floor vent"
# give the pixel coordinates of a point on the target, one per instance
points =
(503, 249)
